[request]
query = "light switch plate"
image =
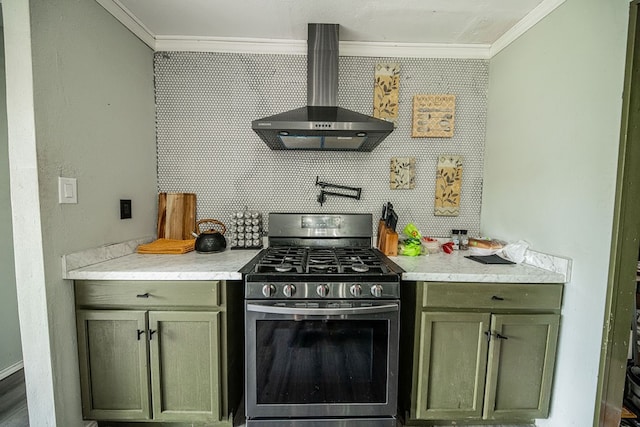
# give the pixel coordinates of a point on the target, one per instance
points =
(67, 190)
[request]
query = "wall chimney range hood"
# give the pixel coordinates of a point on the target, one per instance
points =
(322, 125)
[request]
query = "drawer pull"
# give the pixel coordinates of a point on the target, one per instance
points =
(488, 335)
(497, 298)
(500, 336)
(151, 332)
(140, 332)
(145, 295)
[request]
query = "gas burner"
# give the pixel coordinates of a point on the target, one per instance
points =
(360, 268)
(283, 267)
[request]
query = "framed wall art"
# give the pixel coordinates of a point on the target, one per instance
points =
(433, 116)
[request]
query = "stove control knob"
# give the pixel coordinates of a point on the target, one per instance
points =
(356, 290)
(269, 290)
(289, 290)
(322, 290)
(376, 291)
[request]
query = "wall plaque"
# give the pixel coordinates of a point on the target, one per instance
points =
(448, 185)
(433, 116)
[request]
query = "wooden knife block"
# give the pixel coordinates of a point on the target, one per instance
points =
(390, 243)
(387, 240)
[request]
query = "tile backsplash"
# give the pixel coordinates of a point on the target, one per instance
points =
(205, 103)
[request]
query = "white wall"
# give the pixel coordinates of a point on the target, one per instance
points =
(80, 104)
(550, 170)
(10, 352)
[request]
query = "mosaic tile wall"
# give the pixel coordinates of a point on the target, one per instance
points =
(206, 101)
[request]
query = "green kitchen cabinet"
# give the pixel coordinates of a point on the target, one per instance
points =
(451, 365)
(184, 366)
(155, 351)
(114, 368)
(520, 368)
(482, 352)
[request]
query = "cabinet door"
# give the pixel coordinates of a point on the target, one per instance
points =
(184, 365)
(520, 369)
(451, 365)
(114, 374)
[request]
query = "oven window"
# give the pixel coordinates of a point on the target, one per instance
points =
(321, 361)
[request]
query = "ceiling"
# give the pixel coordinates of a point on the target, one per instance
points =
(476, 28)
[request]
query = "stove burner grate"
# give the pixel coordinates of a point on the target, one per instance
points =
(282, 260)
(305, 260)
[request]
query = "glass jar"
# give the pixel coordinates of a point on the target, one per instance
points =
(455, 238)
(464, 240)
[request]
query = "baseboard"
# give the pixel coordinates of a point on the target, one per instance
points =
(11, 370)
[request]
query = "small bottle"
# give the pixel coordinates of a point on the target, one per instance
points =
(464, 240)
(455, 238)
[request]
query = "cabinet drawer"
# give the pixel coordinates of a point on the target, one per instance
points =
(147, 293)
(493, 296)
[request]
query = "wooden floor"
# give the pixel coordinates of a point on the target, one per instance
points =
(13, 401)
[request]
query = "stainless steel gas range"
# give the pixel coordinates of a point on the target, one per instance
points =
(322, 325)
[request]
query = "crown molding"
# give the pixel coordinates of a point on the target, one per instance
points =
(230, 45)
(531, 19)
(299, 47)
(414, 50)
(347, 48)
(122, 14)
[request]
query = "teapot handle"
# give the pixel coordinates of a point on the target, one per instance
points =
(215, 222)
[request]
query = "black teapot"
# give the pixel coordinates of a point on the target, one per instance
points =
(211, 239)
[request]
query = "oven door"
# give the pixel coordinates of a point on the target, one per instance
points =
(321, 359)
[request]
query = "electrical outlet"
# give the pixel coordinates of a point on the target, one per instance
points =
(125, 209)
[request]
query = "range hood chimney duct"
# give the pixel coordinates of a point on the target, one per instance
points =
(323, 46)
(322, 125)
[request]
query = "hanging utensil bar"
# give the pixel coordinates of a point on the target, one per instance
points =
(322, 197)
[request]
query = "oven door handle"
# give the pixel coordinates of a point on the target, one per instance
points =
(387, 308)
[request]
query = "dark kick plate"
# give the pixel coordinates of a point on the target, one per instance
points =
(489, 259)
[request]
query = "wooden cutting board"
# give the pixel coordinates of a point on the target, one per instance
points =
(176, 215)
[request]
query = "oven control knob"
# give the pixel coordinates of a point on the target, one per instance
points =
(289, 290)
(356, 290)
(269, 290)
(322, 290)
(376, 291)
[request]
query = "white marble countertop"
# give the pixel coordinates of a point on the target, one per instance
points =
(120, 262)
(442, 267)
